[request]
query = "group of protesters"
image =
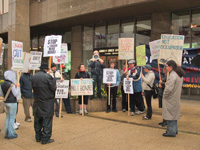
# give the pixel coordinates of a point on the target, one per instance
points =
(38, 91)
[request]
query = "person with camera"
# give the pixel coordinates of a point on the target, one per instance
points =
(97, 65)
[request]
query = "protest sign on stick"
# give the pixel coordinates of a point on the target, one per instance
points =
(109, 77)
(17, 55)
(171, 47)
(26, 60)
(63, 58)
(35, 62)
(126, 48)
(82, 87)
(155, 50)
(141, 55)
(2, 52)
(128, 89)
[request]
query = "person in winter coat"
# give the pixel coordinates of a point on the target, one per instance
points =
(44, 87)
(97, 66)
(27, 94)
(161, 91)
(113, 90)
(124, 96)
(57, 76)
(171, 98)
(135, 98)
(10, 102)
(81, 74)
(147, 84)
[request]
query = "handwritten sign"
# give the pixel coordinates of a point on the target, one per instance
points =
(141, 55)
(17, 55)
(81, 87)
(52, 45)
(62, 89)
(1, 57)
(109, 76)
(126, 48)
(155, 49)
(128, 86)
(171, 47)
(63, 58)
(35, 62)
(26, 62)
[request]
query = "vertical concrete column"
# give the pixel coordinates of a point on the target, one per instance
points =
(76, 49)
(160, 25)
(18, 26)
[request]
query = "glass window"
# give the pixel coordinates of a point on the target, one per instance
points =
(195, 28)
(6, 4)
(87, 45)
(1, 7)
(143, 33)
(113, 34)
(127, 29)
(41, 43)
(181, 25)
(34, 43)
(100, 36)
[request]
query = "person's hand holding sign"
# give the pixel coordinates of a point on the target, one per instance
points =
(127, 77)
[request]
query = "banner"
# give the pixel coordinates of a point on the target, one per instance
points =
(26, 62)
(52, 45)
(1, 57)
(171, 47)
(1, 44)
(109, 76)
(192, 76)
(63, 58)
(35, 62)
(81, 87)
(126, 48)
(141, 55)
(17, 55)
(128, 86)
(62, 89)
(155, 49)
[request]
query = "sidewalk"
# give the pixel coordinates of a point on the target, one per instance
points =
(75, 132)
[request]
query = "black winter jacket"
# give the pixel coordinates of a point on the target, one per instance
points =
(97, 67)
(44, 87)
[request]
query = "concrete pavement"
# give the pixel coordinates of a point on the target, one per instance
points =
(118, 131)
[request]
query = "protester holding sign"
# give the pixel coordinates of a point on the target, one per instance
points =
(97, 66)
(161, 91)
(81, 74)
(27, 94)
(10, 102)
(66, 101)
(56, 75)
(44, 87)
(171, 98)
(113, 89)
(135, 98)
(124, 96)
(147, 84)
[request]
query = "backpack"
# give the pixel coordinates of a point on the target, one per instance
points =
(154, 89)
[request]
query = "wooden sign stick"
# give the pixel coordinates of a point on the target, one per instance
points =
(109, 95)
(82, 107)
(141, 74)
(49, 64)
(34, 72)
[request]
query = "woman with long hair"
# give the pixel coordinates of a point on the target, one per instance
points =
(171, 98)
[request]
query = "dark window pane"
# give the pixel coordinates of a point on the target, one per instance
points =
(113, 34)
(195, 28)
(181, 25)
(100, 36)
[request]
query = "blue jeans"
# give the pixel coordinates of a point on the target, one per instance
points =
(10, 119)
(172, 128)
(97, 80)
